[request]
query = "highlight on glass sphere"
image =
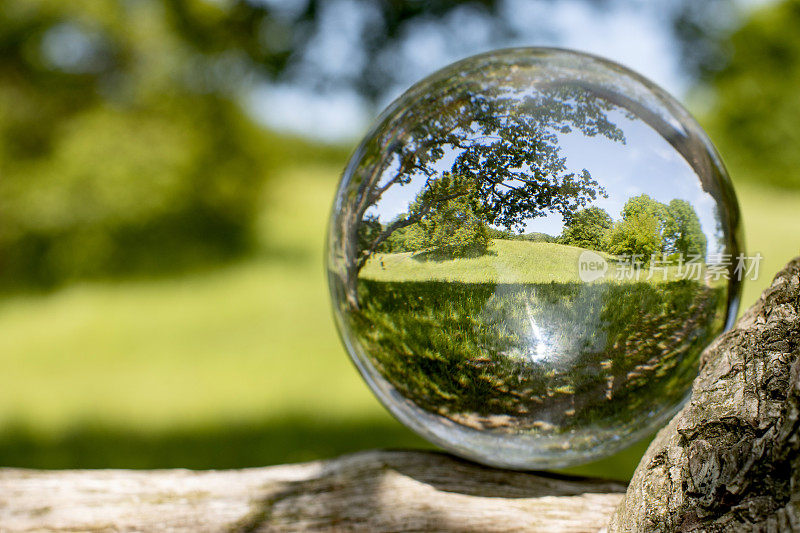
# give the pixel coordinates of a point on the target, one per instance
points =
(528, 253)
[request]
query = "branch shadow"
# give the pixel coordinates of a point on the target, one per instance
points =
(390, 490)
(438, 255)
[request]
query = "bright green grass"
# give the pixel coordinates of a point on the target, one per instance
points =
(771, 227)
(250, 344)
(233, 367)
(214, 345)
(506, 262)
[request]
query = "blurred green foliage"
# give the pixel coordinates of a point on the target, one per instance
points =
(112, 161)
(281, 38)
(756, 111)
(121, 150)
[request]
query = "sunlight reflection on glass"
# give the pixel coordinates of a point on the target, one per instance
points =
(538, 342)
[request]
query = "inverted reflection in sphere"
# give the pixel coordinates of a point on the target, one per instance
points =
(527, 254)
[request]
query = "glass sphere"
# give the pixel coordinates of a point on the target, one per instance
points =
(527, 254)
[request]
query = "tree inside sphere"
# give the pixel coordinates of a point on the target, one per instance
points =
(527, 254)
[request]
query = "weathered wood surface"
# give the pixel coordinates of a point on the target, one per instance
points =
(728, 461)
(369, 491)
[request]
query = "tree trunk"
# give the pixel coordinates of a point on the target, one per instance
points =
(728, 461)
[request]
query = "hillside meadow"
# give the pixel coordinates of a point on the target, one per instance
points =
(234, 366)
(506, 261)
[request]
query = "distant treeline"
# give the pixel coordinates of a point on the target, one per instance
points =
(646, 227)
(411, 239)
(534, 236)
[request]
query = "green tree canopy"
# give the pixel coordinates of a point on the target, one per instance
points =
(650, 227)
(407, 239)
(682, 232)
(456, 226)
(114, 157)
(644, 205)
(588, 228)
(635, 235)
(640, 230)
(501, 137)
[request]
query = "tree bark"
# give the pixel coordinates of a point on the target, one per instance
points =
(728, 461)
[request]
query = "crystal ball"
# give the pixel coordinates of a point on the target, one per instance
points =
(527, 254)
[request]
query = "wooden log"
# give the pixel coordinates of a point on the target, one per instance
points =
(728, 461)
(367, 491)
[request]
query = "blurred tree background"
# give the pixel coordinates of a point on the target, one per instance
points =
(123, 149)
(166, 167)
